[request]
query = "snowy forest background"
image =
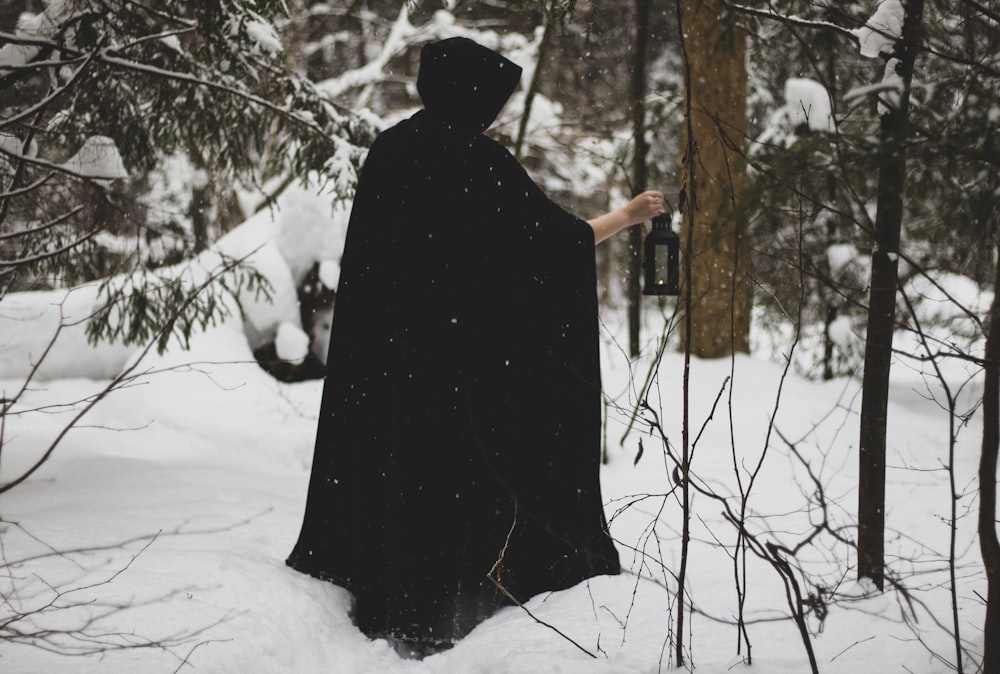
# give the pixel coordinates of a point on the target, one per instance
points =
(175, 180)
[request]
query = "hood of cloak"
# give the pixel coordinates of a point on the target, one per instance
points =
(464, 83)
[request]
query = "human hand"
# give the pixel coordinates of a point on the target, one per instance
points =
(644, 207)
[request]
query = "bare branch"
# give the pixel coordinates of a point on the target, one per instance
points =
(494, 577)
(81, 632)
(124, 376)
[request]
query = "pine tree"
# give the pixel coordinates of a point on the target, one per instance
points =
(95, 93)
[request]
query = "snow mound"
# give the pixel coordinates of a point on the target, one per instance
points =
(291, 343)
(281, 243)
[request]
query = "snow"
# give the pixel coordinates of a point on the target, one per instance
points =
(15, 55)
(281, 243)
(329, 274)
(395, 43)
(194, 481)
(808, 103)
(807, 106)
(881, 32)
(97, 158)
(949, 300)
(402, 35)
(877, 39)
(263, 35)
(842, 332)
(291, 343)
(12, 145)
(182, 494)
(194, 470)
(172, 42)
(306, 224)
(262, 314)
(30, 321)
(341, 166)
(41, 26)
(840, 256)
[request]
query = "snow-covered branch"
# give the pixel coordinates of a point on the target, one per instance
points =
(110, 57)
(395, 44)
(31, 231)
(8, 266)
(10, 194)
(771, 14)
(79, 171)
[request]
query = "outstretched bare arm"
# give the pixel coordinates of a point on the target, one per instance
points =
(641, 208)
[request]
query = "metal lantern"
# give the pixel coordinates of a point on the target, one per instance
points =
(661, 259)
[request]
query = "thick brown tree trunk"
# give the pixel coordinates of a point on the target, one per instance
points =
(882, 309)
(720, 308)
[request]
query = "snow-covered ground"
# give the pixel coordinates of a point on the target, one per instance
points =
(154, 538)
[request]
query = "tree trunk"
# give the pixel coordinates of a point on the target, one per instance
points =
(536, 78)
(827, 43)
(882, 309)
(989, 544)
(640, 173)
(720, 308)
(200, 214)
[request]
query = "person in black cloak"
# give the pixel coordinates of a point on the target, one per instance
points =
(457, 453)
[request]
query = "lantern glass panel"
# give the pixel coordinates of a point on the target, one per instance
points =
(661, 265)
(661, 259)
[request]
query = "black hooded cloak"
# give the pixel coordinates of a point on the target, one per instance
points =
(459, 429)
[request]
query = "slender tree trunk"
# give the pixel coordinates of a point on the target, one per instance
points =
(529, 94)
(200, 211)
(716, 53)
(882, 309)
(828, 43)
(989, 544)
(640, 173)
(686, 203)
